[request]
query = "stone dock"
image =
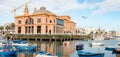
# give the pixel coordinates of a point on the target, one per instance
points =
(47, 37)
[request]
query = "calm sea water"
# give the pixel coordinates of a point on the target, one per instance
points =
(61, 50)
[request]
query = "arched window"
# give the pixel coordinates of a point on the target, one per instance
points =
(32, 21)
(50, 21)
(26, 21)
(29, 21)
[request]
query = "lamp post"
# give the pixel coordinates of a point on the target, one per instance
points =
(84, 17)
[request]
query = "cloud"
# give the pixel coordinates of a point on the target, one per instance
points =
(56, 6)
(107, 6)
(61, 5)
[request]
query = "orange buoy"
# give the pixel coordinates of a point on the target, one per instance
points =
(65, 44)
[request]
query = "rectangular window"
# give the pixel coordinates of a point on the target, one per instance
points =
(32, 29)
(49, 31)
(38, 29)
(19, 29)
(29, 30)
(38, 20)
(60, 22)
(50, 21)
(19, 21)
(25, 29)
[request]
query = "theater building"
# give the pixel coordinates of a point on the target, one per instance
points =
(42, 21)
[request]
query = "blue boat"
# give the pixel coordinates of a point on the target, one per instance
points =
(23, 45)
(89, 54)
(79, 47)
(8, 53)
(26, 47)
(17, 41)
(110, 48)
(41, 52)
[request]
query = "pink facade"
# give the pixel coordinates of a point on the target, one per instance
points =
(42, 21)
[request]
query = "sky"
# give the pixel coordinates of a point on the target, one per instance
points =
(100, 13)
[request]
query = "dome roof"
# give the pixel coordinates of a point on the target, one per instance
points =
(42, 9)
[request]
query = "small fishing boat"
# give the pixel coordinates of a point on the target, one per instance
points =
(110, 48)
(6, 50)
(23, 45)
(118, 43)
(89, 54)
(96, 44)
(19, 43)
(44, 54)
(8, 53)
(26, 47)
(79, 47)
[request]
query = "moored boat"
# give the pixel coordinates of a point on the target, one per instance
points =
(44, 54)
(23, 45)
(26, 47)
(118, 43)
(110, 48)
(96, 44)
(79, 47)
(19, 43)
(8, 53)
(89, 54)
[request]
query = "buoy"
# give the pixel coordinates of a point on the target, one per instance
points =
(65, 44)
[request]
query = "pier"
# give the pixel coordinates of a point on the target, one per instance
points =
(47, 37)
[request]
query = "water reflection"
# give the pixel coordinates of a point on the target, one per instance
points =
(56, 48)
(68, 50)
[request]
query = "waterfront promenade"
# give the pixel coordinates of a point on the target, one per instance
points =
(48, 37)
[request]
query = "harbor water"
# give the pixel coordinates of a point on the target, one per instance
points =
(69, 50)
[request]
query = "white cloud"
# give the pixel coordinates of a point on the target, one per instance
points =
(61, 6)
(107, 6)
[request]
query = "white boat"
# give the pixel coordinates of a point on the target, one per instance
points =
(96, 44)
(44, 54)
(17, 44)
(38, 55)
(22, 43)
(118, 43)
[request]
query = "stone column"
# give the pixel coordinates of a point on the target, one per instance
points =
(35, 29)
(43, 30)
(27, 29)
(22, 29)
